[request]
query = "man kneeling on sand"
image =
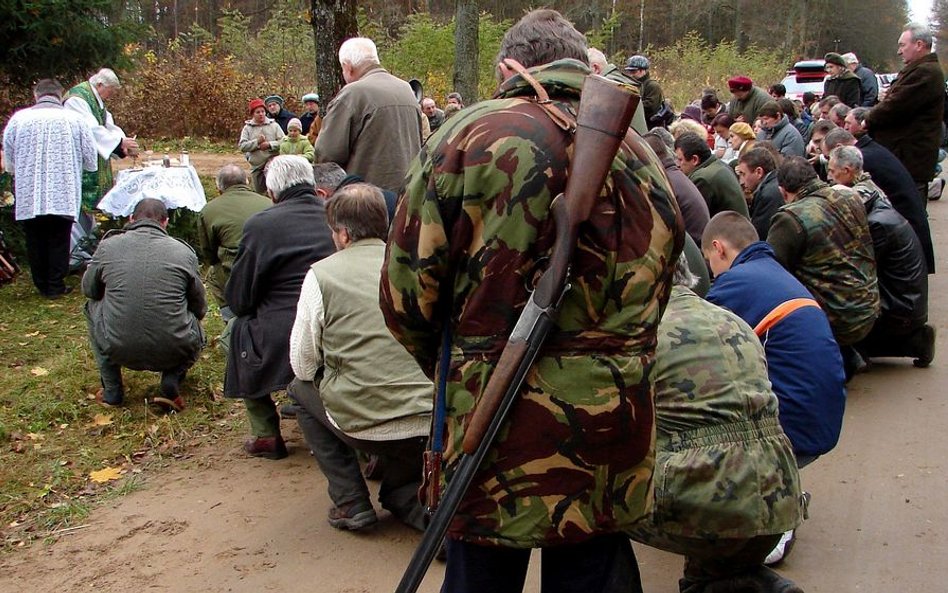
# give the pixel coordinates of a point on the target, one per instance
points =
(356, 388)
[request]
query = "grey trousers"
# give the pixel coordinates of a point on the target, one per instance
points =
(335, 453)
(110, 373)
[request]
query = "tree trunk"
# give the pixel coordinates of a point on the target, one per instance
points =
(333, 22)
(466, 24)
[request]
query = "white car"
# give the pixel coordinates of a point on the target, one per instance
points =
(805, 76)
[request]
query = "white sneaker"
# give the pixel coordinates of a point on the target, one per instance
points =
(782, 550)
(935, 188)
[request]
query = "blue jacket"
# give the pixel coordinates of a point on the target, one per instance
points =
(803, 359)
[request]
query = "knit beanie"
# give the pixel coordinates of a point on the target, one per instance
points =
(254, 104)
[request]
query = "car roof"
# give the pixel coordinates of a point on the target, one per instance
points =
(810, 65)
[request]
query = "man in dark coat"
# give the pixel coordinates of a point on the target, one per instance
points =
(894, 180)
(694, 210)
(715, 180)
(637, 68)
(909, 120)
(757, 173)
(278, 247)
(841, 82)
(869, 84)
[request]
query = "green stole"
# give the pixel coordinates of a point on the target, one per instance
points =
(94, 183)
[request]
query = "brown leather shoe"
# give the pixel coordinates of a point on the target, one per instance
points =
(266, 447)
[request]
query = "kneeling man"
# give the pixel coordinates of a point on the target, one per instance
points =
(356, 387)
(145, 304)
(726, 482)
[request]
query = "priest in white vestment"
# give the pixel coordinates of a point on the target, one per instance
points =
(88, 100)
(47, 148)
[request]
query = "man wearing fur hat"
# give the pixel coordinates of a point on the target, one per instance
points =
(747, 101)
(841, 82)
(259, 141)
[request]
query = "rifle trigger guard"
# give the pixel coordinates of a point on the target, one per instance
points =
(559, 301)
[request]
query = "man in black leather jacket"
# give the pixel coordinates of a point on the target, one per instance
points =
(901, 329)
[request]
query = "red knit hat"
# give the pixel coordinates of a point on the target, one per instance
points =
(255, 103)
(740, 83)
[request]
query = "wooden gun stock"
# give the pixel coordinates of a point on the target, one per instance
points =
(605, 112)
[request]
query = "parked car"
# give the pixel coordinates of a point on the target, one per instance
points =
(805, 76)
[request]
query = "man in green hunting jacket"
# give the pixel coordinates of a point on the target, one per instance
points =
(822, 237)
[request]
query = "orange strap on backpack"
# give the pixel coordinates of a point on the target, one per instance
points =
(780, 311)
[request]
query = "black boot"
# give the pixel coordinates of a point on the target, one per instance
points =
(923, 346)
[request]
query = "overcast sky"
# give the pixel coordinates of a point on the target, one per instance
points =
(920, 10)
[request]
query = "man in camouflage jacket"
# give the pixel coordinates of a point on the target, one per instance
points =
(572, 468)
(822, 237)
(726, 480)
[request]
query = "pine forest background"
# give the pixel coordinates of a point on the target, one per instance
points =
(189, 66)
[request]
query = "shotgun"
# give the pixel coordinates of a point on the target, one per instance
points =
(605, 112)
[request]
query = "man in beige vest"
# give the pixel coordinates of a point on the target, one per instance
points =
(357, 389)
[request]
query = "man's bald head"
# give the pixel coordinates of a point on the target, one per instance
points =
(230, 175)
(732, 227)
(151, 209)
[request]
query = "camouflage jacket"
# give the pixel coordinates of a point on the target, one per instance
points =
(469, 238)
(724, 468)
(823, 239)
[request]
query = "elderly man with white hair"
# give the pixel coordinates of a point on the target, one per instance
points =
(88, 100)
(902, 329)
(279, 245)
(372, 128)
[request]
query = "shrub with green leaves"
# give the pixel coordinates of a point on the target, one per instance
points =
(693, 64)
(425, 50)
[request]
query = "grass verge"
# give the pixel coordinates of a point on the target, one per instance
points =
(53, 434)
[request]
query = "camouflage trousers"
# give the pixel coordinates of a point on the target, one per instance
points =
(708, 560)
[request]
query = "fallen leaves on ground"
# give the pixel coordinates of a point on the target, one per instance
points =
(105, 475)
(102, 420)
(39, 371)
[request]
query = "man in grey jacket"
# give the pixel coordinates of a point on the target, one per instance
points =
(776, 128)
(145, 304)
(372, 128)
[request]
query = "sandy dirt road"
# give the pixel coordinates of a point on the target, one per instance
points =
(220, 522)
